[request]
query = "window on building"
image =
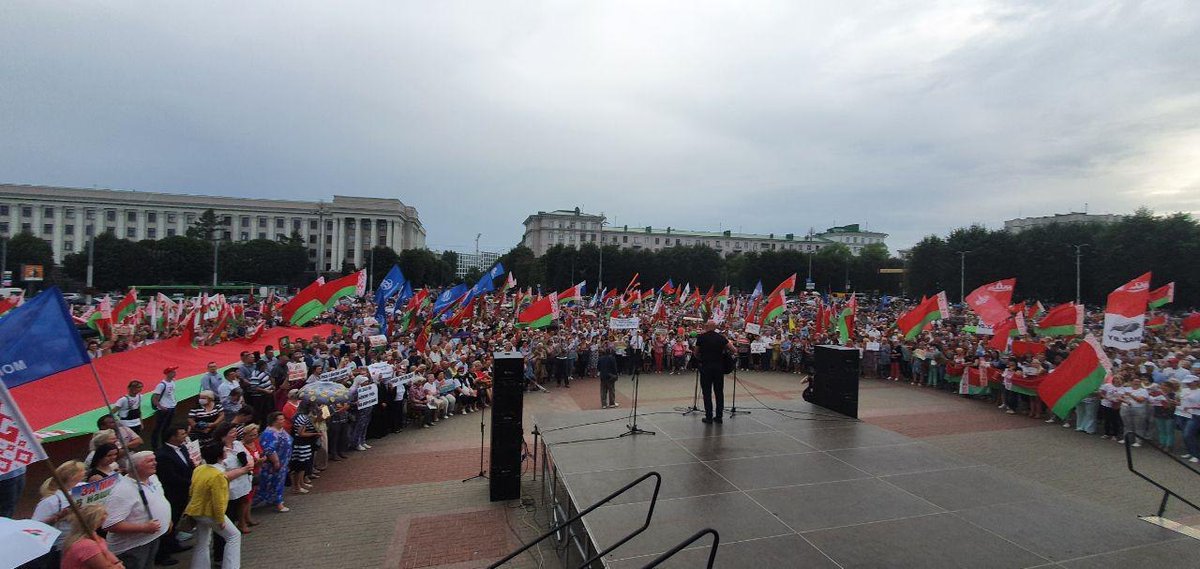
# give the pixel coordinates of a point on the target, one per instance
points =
(4, 227)
(328, 239)
(110, 215)
(68, 212)
(593, 239)
(110, 229)
(69, 229)
(625, 239)
(130, 216)
(656, 240)
(69, 246)
(170, 232)
(3, 210)
(296, 224)
(89, 230)
(47, 211)
(189, 218)
(262, 234)
(245, 235)
(312, 225)
(130, 232)
(170, 218)
(227, 220)
(151, 217)
(279, 223)
(27, 228)
(262, 221)
(637, 239)
(245, 221)
(26, 211)
(312, 239)
(329, 225)
(151, 233)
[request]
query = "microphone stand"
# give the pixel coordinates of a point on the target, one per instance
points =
(733, 410)
(482, 473)
(695, 397)
(633, 428)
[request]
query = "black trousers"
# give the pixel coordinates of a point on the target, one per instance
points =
(712, 383)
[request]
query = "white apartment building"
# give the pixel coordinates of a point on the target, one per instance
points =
(1021, 224)
(344, 229)
(482, 260)
(574, 228)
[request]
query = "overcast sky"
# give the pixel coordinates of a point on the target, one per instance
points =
(911, 117)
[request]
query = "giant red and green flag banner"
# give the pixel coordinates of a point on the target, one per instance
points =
(1081, 374)
(354, 284)
(845, 320)
(302, 298)
(539, 314)
(1062, 320)
(1125, 314)
(1191, 326)
(1162, 295)
(125, 307)
(776, 303)
(991, 301)
(933, 308)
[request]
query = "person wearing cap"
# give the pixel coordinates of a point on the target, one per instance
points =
(162, 399)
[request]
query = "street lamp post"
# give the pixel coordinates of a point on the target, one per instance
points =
(600, 270)
(216, 249)
(962, 276)
(1078, 257)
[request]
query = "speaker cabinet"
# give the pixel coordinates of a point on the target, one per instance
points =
(508, 394)
(835, 379)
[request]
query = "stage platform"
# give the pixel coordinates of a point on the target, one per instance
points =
(817, 490)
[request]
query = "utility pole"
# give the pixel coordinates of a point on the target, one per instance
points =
(91, 264)
(320, 237)
(600, 271)
(216, 249)
(962, 276)
(1078, 257)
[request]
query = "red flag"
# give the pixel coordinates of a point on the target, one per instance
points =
(991, 301)
(188, 331)
(788, 283)
(306, 294)
(1125, 314)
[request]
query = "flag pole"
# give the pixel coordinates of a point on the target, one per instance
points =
(129, 467)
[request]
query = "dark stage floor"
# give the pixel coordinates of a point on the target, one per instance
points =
(820, 491)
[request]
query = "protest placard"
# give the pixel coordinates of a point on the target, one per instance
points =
(193, 449)
(624, 323)
(758, 347)
(402, 380)
(336, 375)
(381, 370)
(368, 395)
(752, 328)
(377, 341)
(370, 321)
(297, 371)
(95, 492)
(448, 387)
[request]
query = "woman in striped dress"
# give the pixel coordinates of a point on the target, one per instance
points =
(304, 434)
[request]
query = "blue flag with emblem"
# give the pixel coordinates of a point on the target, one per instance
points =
(448, 296)
(486, 283)
(391, 285)
(38, 339)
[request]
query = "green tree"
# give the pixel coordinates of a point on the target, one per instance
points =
(384, 258)
(118, 264)
(25, 248)
(205, 227)
(524, 266)
(424, 268)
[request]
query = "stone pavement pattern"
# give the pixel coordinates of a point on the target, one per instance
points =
(402, 503)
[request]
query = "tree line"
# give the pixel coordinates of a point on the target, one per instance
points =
(702, 266)
(1043, 259)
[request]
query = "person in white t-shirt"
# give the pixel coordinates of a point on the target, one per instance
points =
(1135, 411)
(1182, 415)
(1191, 404)
(134, 533)
(1110, 405)
(53, 510)
(129, 407)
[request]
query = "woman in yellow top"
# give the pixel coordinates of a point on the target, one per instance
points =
(209, 498)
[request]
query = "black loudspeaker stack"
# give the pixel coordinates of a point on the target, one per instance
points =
(835, 379)
(508, 392)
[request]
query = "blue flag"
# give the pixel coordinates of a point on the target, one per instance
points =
(392, 284)
(405, 294)
(448, 297)
(757, 290)
(485, 283)
(39, 339)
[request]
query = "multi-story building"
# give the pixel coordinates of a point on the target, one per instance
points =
(483, 260)
(574, 228)
(1021, 224)
(342, 230)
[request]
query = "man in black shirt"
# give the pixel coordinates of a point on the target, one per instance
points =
(711, 348)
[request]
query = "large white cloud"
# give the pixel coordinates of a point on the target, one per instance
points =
(912, 117)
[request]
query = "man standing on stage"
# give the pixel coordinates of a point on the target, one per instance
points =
(711, 348)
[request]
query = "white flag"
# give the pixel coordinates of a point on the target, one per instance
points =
(18, 445)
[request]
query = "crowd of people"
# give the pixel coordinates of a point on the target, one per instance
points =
(256, 438)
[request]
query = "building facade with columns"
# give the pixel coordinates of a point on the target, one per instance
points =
(341, 230)
(574, 228)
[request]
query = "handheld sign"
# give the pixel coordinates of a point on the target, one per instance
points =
(624, 323)
(402, 380)
(753, 328)
(368, 395)
(381, 370)
(377, 341)
(95, 492)
(336, 375)
(297, 371)
(758, 347)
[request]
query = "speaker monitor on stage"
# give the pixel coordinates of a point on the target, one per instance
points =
(834, 384)
(508, 392)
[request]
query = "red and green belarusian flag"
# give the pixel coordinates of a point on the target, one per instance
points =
(1191, 326)
(302, 299)
(573, 294)
(539, 314)
(1062, 320)
(933, 308)
(723, 296)
(1162, 295)
(1081, 374)
(1156, 322)
(788, 284)
(776, 304)
(100, 319)
(328, 294)
(125, 307)
(845, 320)
(509, 282)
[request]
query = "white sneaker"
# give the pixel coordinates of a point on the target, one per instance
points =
(367, 445)
(1194, 459)
(1180, 456)
(1000, 406)
(604, 406)
(1066, 425)
(615, 405)
(361, 447)
(1011, 412)
(1050, 420)
(1104, 437)
(1136, 445)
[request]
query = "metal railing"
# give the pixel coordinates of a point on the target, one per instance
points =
(1167, 492)
(712, 553)
(560, 526)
